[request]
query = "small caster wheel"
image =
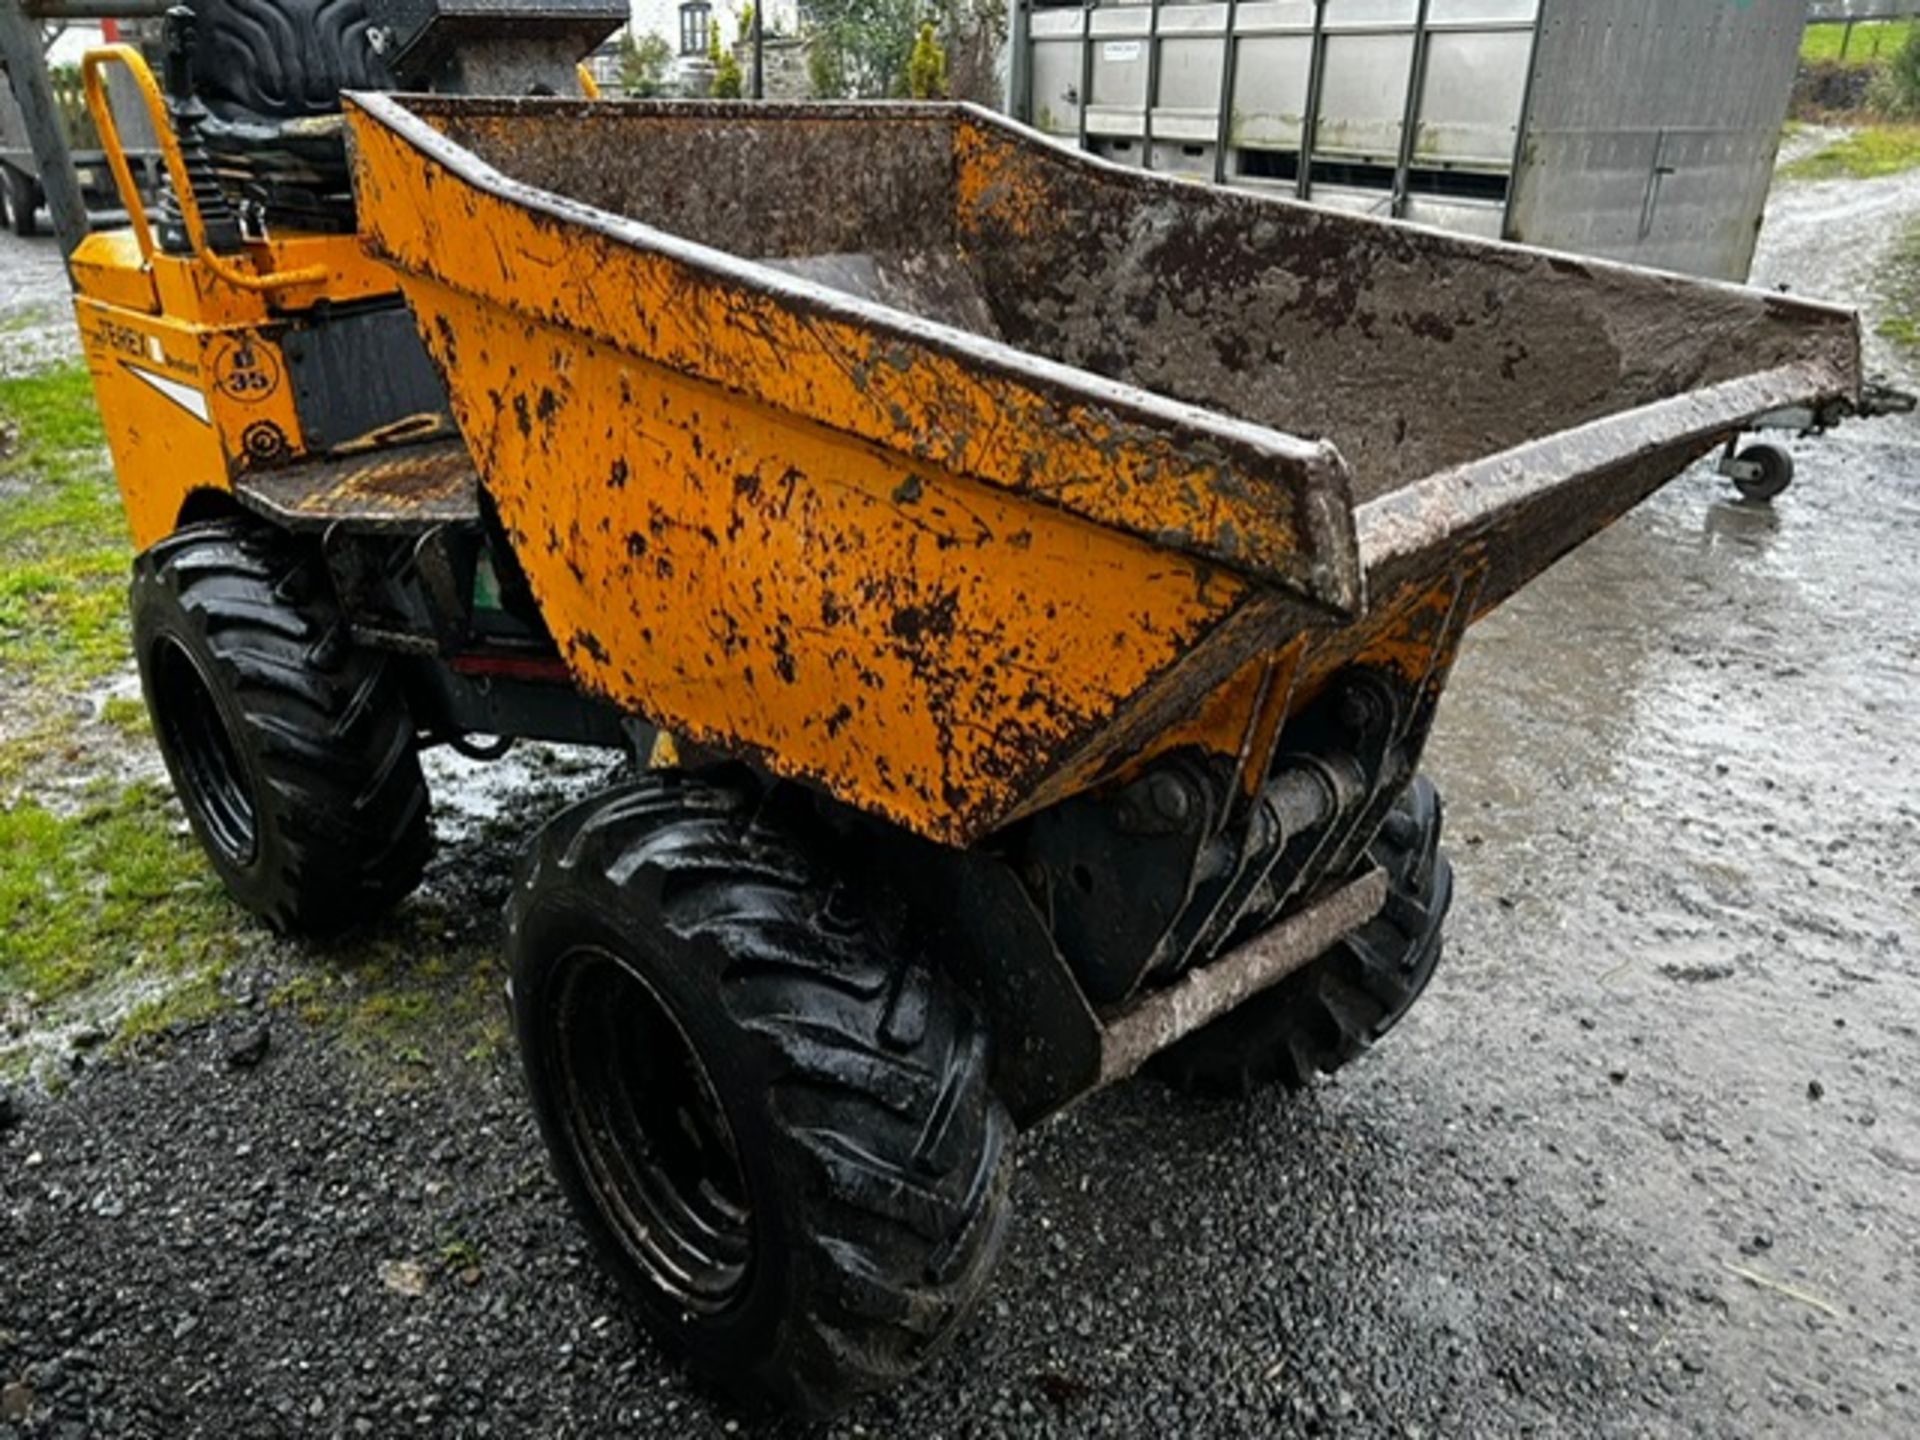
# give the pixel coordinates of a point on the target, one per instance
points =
(1761, 472)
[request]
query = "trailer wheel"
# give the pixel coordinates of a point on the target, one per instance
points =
(1773, 473)
(22, 194)
(780, 1139)
(1328, 1013)
(292, 750)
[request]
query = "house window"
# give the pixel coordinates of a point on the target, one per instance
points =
(696, 16)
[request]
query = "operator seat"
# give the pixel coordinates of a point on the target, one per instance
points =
(270, 73)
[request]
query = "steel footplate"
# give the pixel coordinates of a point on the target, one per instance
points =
(401, 491)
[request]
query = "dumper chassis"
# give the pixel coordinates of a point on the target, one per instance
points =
(1014, 699)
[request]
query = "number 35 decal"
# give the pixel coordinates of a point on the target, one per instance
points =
(246, 371)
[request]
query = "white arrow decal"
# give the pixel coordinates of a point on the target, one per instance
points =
(193, 401)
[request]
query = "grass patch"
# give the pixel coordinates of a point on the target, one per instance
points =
(127, 715)
(1899, 295)
(109, 914)
(107, 909)
(197, 997)
(1873, 43)
(1866, 154)
(55, 412)
(64, 549)
(103, 903)
(107, 891)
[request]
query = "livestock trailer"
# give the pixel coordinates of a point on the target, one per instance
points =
(1831, 12)
(1637, 130)
(20, 177)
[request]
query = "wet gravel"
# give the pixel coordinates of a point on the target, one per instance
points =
(36, 311)
(1645, 1162)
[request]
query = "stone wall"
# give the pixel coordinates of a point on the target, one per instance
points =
(786, 59)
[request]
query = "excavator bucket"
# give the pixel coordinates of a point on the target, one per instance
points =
(953, 470)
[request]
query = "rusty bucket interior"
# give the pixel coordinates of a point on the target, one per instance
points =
(1410, 350)
(1088, 445)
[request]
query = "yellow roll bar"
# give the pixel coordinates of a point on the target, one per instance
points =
(93, 68)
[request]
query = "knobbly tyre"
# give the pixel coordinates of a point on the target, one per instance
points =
(1024, 700)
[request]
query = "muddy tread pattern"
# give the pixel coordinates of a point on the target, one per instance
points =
(344, 813)
(1330, 1013)
(877, 1075)
(284, 59)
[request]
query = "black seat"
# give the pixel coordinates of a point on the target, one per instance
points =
(270, 73)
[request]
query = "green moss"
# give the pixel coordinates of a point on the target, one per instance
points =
(1863, 155)
(457, 1253)
(1902, 330)
(1873, 43)
(197, 997)
(405, 999)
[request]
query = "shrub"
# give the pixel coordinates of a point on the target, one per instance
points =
(644, 65)
(727, 80)
(1895, 91)
(927, 66)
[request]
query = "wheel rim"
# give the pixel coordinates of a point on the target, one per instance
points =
(647, 1132)
(195, 733)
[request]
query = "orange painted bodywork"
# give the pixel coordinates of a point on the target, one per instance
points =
(949, 581)
(192, 385)
(181, 403)
(951, 621)
(184, 348)
(1164, 483)
(903, 634)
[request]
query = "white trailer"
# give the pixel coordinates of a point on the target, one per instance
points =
(1639, 130)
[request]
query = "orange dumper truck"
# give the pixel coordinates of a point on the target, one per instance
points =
(1025, 586)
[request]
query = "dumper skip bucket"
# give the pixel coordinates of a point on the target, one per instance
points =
(953, 470)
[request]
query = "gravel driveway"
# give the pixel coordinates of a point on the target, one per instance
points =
(1645, 1162)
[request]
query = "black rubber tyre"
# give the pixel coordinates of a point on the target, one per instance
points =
(1328, 1013)
(23, 201)
(1776, 473)
(780, 1138)
(292, 750)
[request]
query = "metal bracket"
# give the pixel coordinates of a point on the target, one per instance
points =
(1880, 398)
(1736, 467)
(1134, 1035)
(1877, 398)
